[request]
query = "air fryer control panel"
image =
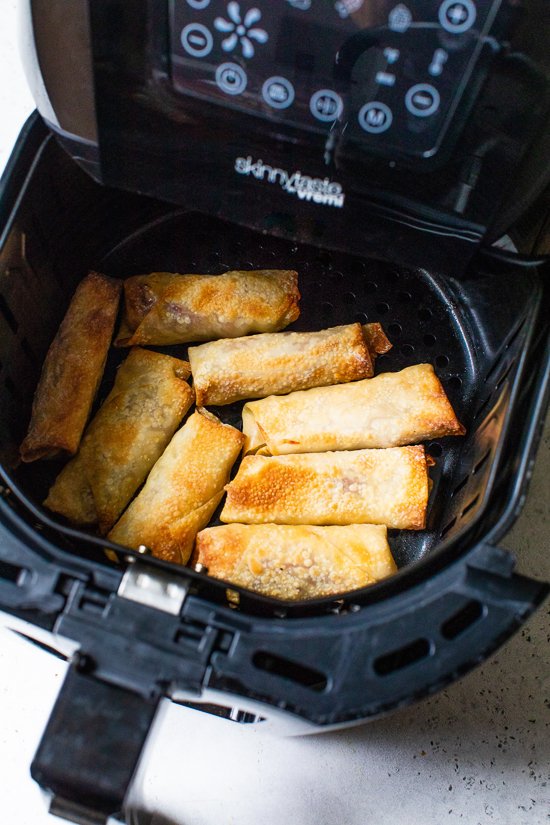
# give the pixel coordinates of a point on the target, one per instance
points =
(389, 74)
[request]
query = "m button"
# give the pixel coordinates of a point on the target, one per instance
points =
(375, 117)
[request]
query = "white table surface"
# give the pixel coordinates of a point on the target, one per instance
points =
(477, 753)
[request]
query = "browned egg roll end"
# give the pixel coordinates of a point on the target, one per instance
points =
(72, 370)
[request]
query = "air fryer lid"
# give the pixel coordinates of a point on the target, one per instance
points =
(407, 129)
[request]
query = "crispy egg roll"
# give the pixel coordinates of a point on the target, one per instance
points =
(390, 410)
(183, 489)
(362, 487)
(168, 308)
(125, 438)
(72, 370)
(296, 562)
(279, 362)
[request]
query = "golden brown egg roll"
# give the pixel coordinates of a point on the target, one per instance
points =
(125, 438)
(296, 562)
(390, 410)
(361, 487)
(168, 308)
(279, 362)
(72, 370)
(183, 489)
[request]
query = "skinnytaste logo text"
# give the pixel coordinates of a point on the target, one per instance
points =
(321, 191)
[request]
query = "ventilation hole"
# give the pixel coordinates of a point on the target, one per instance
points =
(12, 573)
(462, 619)
(435, 450)
(348, 297)
(8, 314)
(481, 462)
(469, 506)
(404, 297)
(424, 314)
(429, 340)
(460, 486)
(336, 275)
(395, 330)
(504, 376)
(448, 527)
(326, 307)
(28, 351)
(286, 669)
(407, 349)
(514, 335)
(361, 318)
(391, 276)
(402, 657)
(370, 286)
(441, 361)
(455, 381)
(382, 308)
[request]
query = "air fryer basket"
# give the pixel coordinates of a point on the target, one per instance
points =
(455, 597)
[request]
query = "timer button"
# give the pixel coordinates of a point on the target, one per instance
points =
(278, 92)
(422, 100)
(375, 117)
(457, 16)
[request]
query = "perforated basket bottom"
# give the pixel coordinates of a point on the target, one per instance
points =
(336, 289)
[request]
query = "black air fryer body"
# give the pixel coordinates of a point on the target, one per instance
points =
(378, 149)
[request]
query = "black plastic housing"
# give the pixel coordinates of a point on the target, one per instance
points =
(112, 96)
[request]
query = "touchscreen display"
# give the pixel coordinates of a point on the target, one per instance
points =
(375, 67)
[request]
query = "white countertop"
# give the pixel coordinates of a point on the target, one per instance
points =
(477, 753)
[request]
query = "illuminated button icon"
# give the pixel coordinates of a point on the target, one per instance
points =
(422, 100)
(198, 4)
(399, 18)
(303, 5)
(326, 105)
(457, 16)
(391, 55)
(197, 40)
(439, 59)
(231, 78)
(375, 117)
(278, 92)
(385, 79)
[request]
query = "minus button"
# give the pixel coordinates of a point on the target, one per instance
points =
(385, 79)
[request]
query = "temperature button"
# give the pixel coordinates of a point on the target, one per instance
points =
(422, 100)
(326, 105)
(375, 117)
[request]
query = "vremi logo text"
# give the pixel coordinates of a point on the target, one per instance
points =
(321, 191)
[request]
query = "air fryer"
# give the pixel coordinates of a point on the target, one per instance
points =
(377, 148)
